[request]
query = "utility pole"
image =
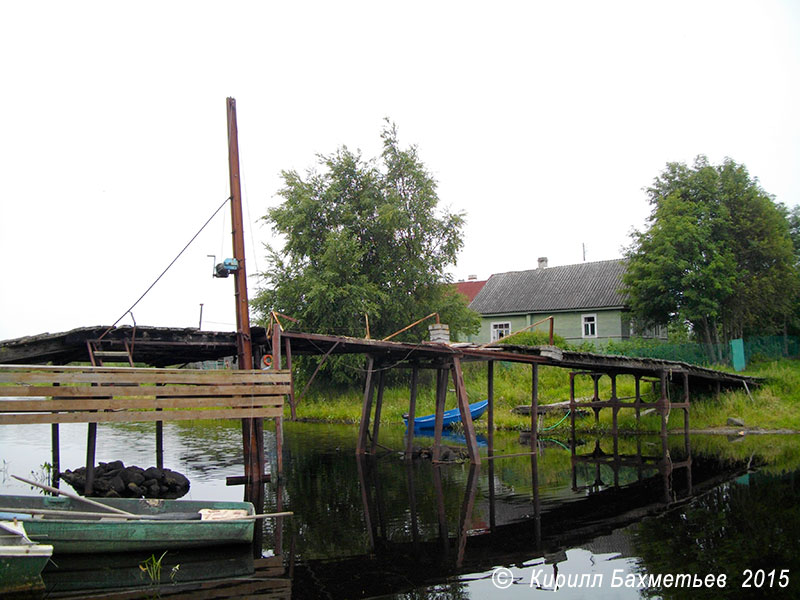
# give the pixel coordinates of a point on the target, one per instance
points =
(252, 429)
(243, 345)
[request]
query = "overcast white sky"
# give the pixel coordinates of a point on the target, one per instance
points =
(542, 121)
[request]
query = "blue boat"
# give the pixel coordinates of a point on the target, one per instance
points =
(451, 416)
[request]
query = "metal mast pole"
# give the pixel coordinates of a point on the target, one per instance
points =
(243, 344)
(252, 429)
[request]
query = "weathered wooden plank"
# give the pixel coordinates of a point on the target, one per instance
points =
(123, 372)
(85, 391)
(126, 369)
(140, 416)
(144, 376)
(118, 394)
(115, 369)
(15, 406)
(611, 404)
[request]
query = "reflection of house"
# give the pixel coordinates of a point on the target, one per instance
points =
(584, 300)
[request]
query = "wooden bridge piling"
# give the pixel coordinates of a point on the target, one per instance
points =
(376, 425)
(366, 407)
(466, 415)
(412, 409)
(490, 398)
(441, 395)
(534, 439)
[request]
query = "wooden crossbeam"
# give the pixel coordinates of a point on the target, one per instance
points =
(143, 391)
(20, 406)
(143, 376)
(269, 412)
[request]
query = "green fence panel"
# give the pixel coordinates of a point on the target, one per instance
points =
(753, 348)
(737, 354)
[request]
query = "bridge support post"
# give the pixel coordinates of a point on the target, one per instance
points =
(441, 396)
(288, 352)
(490, 398)
(466, 415)
(574, 442)
(376, 424)
(412, 410)
(663, 402)
(91, 446)
(535, 407)
(366, 408)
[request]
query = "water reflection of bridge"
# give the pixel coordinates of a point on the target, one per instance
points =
(514, 534)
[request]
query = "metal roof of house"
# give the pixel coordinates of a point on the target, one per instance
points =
(470, 288)
(569, 287)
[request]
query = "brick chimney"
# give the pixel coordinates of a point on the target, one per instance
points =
(542, 262)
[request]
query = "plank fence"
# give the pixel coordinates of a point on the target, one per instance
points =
(31, 394)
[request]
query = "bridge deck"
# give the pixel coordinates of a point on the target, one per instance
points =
(160, 346)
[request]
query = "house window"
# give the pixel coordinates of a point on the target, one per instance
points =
(500, 330)
(589, 326)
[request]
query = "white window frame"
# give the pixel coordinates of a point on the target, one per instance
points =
(498, 326)
(592, 323)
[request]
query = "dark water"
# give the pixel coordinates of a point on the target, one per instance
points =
(615, 520)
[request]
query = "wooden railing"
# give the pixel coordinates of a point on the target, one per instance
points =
(57, 394)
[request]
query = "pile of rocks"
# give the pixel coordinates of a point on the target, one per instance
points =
(115, 480)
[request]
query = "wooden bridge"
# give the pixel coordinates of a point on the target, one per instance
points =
(447, 361)
(162, 394)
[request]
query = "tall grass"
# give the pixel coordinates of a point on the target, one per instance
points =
(774, 405)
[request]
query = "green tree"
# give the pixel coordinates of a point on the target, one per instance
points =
(364, 237)
(717, 253)
(793, 217)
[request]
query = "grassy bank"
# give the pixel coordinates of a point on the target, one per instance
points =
(774, 405)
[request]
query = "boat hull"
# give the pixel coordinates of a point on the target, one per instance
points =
(21, 572)
(21, 560)
(95, 535)
(450, 417)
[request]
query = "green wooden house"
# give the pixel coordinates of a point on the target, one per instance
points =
(584, 300)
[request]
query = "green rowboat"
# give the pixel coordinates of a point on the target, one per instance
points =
(74, 527)
(21, 560)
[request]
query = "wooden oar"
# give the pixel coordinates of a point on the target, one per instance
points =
(76, 514)
(118, 511)
(261, 516)
(93, 515)
(75, 497)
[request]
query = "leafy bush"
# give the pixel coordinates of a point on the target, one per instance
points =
(534, 338)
